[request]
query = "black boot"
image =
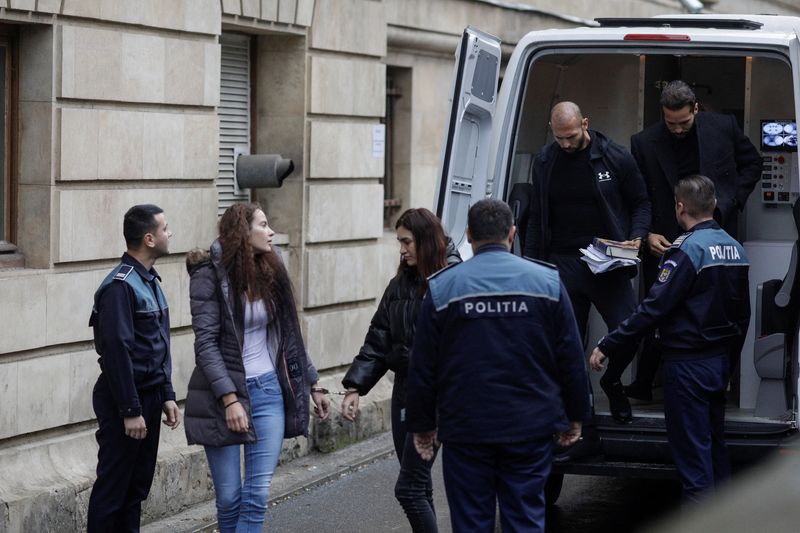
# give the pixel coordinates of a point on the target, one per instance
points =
(639, 391)
(617, 401)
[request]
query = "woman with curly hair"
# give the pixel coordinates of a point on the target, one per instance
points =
(253, 376)
(424, 250)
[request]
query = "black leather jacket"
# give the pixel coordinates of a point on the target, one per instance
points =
(391, 331)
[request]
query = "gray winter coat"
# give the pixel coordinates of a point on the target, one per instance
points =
(219, 367)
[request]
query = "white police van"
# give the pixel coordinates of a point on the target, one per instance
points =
(747, 66)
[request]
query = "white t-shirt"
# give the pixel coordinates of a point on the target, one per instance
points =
(255, 353)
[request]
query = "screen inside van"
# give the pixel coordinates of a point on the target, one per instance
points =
(778, 136)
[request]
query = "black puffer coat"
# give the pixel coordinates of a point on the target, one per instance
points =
(391, 331)
(219, 330)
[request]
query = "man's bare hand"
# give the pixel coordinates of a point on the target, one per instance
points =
(597, 360)
(658, 244)
(426, 444)
(170, 409)
(571, 436)
(135, 427)
(635, 242)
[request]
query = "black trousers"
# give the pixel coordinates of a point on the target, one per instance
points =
(694, 412)
(414, 487)
(610, 292)
(477, 477)
(125, 466)
(650, 354)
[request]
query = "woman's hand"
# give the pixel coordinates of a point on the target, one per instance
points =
(322, 405)
(350, 405)
(235, 415)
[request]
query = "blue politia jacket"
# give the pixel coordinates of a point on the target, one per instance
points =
(700, 301)
(496, 353)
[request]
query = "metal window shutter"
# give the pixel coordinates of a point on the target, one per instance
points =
(234, 114)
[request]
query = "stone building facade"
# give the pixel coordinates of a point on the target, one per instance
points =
(109, 103)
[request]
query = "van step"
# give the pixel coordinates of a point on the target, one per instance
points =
(598, 466)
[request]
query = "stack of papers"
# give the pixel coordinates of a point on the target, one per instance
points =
(599, 262)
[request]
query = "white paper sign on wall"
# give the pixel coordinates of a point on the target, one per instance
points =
(378, 140)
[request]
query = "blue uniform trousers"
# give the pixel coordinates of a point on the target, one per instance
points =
(694, 412)
(125, 466)
(476, 476)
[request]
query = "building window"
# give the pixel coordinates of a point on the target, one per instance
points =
(8, 98)
(397, 159)
(234, 113)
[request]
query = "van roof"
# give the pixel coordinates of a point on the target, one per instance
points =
(762, 30)
(767, 23)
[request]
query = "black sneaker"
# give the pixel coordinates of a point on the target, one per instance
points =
(587, 446)
(617, 401)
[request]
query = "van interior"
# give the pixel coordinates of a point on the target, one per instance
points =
(618, 91)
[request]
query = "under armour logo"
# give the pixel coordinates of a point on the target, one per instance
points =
(604, 176)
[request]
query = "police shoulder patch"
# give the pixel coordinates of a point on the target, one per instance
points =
(666, 271)
(123, 272)
(677, 242)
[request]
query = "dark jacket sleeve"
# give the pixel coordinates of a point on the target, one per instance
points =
(421, 387)
(569, 359)
(371, 364)
(168, 393)
(115, 329)
(663, 298)
(634, 193)
(206, 323)
(637, 151)
(533, 234)
(749, 164)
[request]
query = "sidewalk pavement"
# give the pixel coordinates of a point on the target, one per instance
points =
(292, 478)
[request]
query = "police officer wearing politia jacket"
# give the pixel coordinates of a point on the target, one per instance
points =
(700, 302)
(496, 370)
(131, 334)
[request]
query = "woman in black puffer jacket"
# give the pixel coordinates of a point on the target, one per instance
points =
(424, 250)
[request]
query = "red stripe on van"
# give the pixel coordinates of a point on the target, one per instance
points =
(656, 37)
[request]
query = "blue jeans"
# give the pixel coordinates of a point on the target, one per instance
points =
(242, 504)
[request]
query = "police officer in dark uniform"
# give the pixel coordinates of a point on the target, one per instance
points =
(701, 304)
(495, 372)
(131, 333)
(687, 142)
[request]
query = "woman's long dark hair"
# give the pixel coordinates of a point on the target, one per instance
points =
(255, 275)
(429, 240)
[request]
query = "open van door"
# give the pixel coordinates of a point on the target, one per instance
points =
(463, 166)
(795, 365)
